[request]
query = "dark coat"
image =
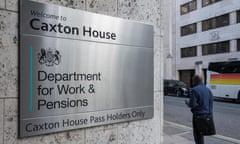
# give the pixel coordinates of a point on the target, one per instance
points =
(201, 100)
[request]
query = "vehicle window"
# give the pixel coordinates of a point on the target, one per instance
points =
(182, 84)
(171, 84)
(166, 83)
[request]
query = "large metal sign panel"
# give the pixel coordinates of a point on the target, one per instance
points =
(79, 69)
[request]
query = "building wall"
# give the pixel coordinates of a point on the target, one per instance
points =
(144, 131)
(169, 39)
(230, 32)
(167, 54)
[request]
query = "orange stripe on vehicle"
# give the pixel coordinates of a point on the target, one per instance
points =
(225, 79)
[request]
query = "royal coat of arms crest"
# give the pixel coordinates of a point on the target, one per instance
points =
(49, 57)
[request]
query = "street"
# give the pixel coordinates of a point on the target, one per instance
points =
(226, 115)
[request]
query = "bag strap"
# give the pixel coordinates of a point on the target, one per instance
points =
(210, 105)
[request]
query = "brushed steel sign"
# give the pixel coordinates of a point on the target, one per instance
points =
(80, 69)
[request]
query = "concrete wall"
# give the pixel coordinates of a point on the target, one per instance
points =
(137, 132)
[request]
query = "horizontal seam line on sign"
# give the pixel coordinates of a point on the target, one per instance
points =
(87, 40)
(85, 112)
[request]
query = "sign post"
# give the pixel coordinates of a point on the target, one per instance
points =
(79, 69)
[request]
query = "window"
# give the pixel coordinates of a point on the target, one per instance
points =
(188, 7)
(215, 48)
(188, 29)
(238, 16)
(238, 45)
(189, 52)
(215, 22)
(208, 2)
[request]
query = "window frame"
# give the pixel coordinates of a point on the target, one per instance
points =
(216, 48)
(193, 52)
(187, 30)
(216, 22)
(190, 6)
(238, 16)
(210, 2)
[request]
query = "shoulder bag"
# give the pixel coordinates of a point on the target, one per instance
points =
(205, 125)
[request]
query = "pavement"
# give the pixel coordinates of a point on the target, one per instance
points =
(180, 134)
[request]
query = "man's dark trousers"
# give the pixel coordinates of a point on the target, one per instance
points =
(199, 139)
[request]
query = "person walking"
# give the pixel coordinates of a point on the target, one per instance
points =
(201, 104)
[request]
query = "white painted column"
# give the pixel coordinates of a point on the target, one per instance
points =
(199, 68)
(169, 58)
(233, 18)
(233, 46)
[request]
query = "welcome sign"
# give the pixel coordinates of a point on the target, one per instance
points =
(79, 69)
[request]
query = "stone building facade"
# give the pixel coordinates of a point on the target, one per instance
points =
(206, 31)
(137, 132)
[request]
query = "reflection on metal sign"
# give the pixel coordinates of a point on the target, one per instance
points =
(79, 69)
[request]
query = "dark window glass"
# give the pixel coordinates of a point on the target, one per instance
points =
(215, 48)
(238, 45)
(188, 7)
(208, 2)
(238, 16)
(189, 52)
(215, 22)
(188, 29)
(225, 67)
